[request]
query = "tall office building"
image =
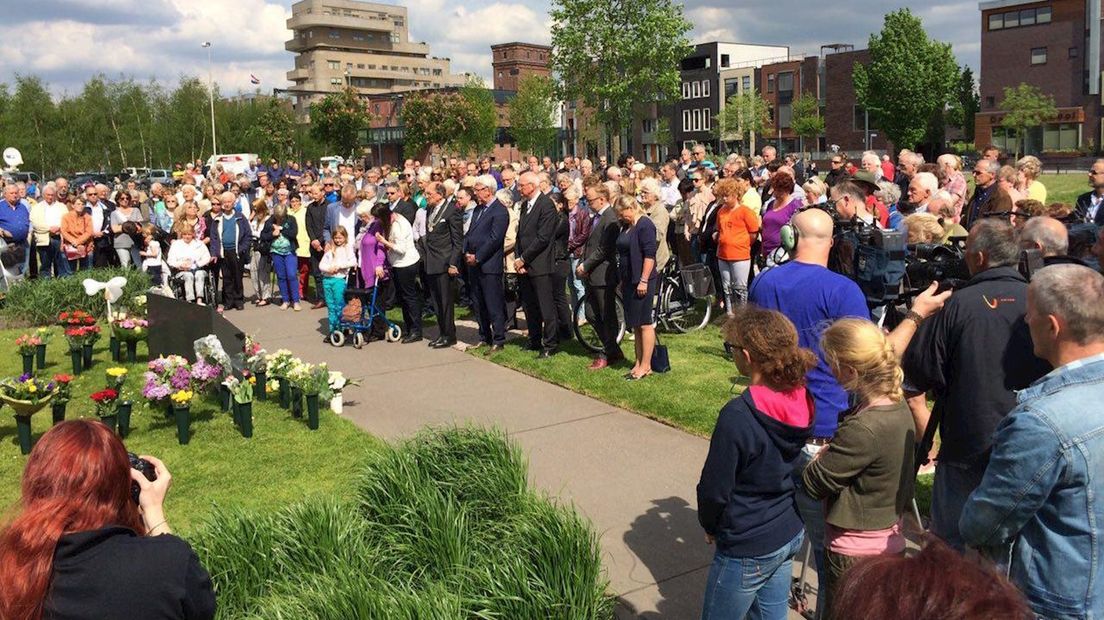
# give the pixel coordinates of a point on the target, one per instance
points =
(365, 45)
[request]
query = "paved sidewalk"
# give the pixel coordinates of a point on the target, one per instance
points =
(634, 478)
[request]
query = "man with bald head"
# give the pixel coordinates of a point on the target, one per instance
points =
(231, 239)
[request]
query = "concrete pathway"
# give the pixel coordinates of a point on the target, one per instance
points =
(632, 477)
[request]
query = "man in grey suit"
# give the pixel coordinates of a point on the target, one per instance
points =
(533, 250)
(599, 271)
(444, 251)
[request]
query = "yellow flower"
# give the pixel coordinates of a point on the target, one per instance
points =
(32, 388)
(252, 380)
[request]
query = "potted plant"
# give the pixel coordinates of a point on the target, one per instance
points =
(75, 337)
(129, 331)
(256, 363)
(62, 394)
(182, 402)
(44, 334)
(76, 318)
(338, 383)
(92, 335)
(241, 391)
(105, 406)
(299, 377)
(116, 379)
(25, 395)
(28, 345)
(165, 375)
(279, 364)
(315, 385)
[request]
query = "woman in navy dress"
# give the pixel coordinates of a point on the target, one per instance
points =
(636, 252)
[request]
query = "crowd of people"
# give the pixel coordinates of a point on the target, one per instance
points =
(820, 448)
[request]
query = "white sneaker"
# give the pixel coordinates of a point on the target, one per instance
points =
(201, 302)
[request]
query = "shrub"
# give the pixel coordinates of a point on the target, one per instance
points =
(442, 526)
(38, 302)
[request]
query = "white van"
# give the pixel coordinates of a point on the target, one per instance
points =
(330, 163)
(234, 163)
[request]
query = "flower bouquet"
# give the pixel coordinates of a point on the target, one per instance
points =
(129, 331)
(76, 318)
(279, 364)
(26, 395)
(182, 401)
(257, 364)
(315, 385)
(299, 377)
(28, 346)
(241, 391)
(62, 394)
(164, 376)
(105, 406)
(81, 339)
(338, 383)
(44, 334)
(116, 378)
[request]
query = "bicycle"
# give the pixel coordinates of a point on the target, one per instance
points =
(685, 297)
(584, 329)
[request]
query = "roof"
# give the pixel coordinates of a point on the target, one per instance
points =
(523, 44)
(1003, 4)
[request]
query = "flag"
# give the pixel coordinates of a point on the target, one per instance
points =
(254, 79)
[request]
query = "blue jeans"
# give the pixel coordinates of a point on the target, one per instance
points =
(286, 267)
(812, 513)
(757, 588)
(52, 261)
(953, 485)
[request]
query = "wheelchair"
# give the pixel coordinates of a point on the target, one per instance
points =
(176, 285)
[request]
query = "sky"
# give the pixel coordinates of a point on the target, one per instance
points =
(67, 41)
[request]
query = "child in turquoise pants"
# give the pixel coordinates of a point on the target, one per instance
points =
(335, 266)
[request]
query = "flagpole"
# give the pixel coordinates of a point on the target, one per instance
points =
(211, 93)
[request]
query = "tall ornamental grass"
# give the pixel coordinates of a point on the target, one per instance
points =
(39, 301)
(443, 526)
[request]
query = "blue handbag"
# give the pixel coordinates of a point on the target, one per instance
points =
(661, 360)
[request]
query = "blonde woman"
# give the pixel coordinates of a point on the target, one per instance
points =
(1029, 168)
(260, 260)
(816, 191)
(924, 228)
(866, 472)
(636, 262)
(648, 191)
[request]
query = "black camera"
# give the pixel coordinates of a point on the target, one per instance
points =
(145, 468)
(870, 256)
(930, 262)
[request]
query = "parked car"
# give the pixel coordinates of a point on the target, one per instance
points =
(156, 175)
(80, 179)
(25, 177)
(234, 163)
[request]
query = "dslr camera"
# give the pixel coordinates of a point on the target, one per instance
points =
(145, 468)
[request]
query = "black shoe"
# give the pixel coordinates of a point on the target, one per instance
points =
(443, 344)
(494, 349)
(531, 346)
(412, 338)
(433, 342)
(547, 353)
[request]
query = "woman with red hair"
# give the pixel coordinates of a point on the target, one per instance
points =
(80, 547)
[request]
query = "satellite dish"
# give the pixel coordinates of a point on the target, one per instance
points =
(12, 157)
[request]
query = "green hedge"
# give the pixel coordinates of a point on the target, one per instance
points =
(442, 526)
(38, 302)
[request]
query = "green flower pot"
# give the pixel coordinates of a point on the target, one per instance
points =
(224, 398)
(132, 351)
(23, 427)
(285, 392)
(296, 403)
(114, 345)
(78, 361)
(86, 357)
(57, 410)
(245, 419)
(28, 363)
(183, 424)
(111, 420)
(123, 410)
(40, 356)
(261, 389)
(312, 411)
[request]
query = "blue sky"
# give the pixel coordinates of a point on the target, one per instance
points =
(66, 41)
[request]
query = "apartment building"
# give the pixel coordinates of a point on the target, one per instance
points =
(365, 45)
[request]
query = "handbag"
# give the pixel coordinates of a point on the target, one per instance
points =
(12, 255)
(661, 360)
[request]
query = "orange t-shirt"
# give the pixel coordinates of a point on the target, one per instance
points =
(736, 227)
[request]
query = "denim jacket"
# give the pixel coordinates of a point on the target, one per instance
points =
(1044, 489)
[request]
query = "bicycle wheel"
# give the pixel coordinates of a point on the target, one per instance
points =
(584, 328)
(683, 312)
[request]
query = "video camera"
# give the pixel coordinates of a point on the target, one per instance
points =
(871, 257)
(930, 262)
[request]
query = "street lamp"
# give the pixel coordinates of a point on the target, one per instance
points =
(211, 94)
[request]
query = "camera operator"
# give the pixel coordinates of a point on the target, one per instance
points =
(80, 546)
(850, 201)
(812, 296)
(1045, 470)
(973, 355)
(1050, 237)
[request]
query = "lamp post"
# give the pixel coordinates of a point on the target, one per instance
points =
(211, 94)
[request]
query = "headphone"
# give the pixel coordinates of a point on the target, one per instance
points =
(789, 236)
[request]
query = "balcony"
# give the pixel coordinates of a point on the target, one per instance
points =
(297, 75)
(320, 20)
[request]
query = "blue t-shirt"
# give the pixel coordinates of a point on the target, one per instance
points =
(812, 297)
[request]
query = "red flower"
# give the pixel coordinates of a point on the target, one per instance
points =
(63, 316)
(63, 378)
(104, 396)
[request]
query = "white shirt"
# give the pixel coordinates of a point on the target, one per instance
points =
(154, 260)
(404, 253)
(188, 255)
(668, 192)
(347, 217)
(97, 216)
(1094, 206)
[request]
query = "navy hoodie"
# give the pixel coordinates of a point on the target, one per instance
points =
(746, 493)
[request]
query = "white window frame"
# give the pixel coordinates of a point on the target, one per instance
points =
(705, 88)
(686, 90)
(695, 117)
(695, 89)
(686, 120)
(706, 120)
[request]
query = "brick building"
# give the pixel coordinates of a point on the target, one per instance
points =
(1055, 46)
(780, 83)
(845, 122)
(512, 62)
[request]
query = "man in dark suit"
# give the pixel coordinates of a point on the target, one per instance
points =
(988, 196)
(536, 228)
(444, 251)
(599, 271)
(401, 205)
(103, 250)
(1089, 204)
(484, 256)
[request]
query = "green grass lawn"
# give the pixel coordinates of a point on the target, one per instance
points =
(283, 462)
(1064, 187)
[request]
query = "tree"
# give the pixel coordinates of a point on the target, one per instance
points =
(909, 77)
(806, 120)
(275, 130)
(430, 118)
(965, 104)
(531, 114)
(479, 123)
(29, 123)
(338, 119)
(1025, 107)
(744, 116)
(615, 55)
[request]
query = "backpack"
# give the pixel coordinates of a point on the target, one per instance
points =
(352, 311)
